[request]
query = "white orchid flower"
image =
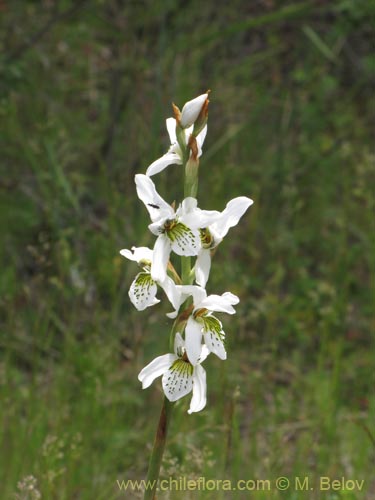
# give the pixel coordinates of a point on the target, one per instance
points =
(174, 154)
(214, 234)
(177, 231)
(179, 376)
(143, 289)
(202, 321)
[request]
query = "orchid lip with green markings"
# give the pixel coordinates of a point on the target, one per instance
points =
(179, 375)
(143, 290)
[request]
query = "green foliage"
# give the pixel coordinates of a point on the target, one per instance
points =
(85, 90)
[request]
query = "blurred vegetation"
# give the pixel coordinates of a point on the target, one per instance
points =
(85, 90)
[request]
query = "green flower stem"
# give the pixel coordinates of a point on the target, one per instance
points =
(158, 450)
(185, 270)
(191, 178)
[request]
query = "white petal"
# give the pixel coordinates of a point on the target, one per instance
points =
(156, 368)
(205, 218)
(187, 211)
(220, 303)
(198, 293)
(178, 380)
(128, 254)
(214, 336)
(200, 139)
(194, 217)
(200, 218)
(156, 206)
(198, 401)
(163, 162)
(204, 353)
(193, 340)
(202, 267)
(137, 254)
(174, 295)
(142, 291)
(191, 110)
(188, 132)
(231, 215)
(171, 128)
(188, 205)
(184, 240)
(231, 298)
(160, 258)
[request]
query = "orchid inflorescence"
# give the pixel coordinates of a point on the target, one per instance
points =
(187, 231)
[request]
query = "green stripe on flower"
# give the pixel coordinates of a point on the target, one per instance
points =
(178, 231)
(182, 368)
(142, 284)
(183, 239)
(213, 325)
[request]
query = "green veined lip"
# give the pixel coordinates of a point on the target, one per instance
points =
(177, 230)
(212, 324)
(183, 367)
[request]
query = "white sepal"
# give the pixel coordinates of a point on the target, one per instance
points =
(194, 217)
(220, 303)
(156, 368)
(171, 128)
(202, 267)
(137, 254)
(200, 140)
(193, 340)
(156, 206)
(230, 216)
(198, 401)
(174, 296)
(198, 293)
(160, 258)
(163, 162)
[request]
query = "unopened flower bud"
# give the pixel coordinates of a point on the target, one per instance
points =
(180, 133)
(191, 110)
(201, 121)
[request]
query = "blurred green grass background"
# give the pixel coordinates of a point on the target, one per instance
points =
(85, 91)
